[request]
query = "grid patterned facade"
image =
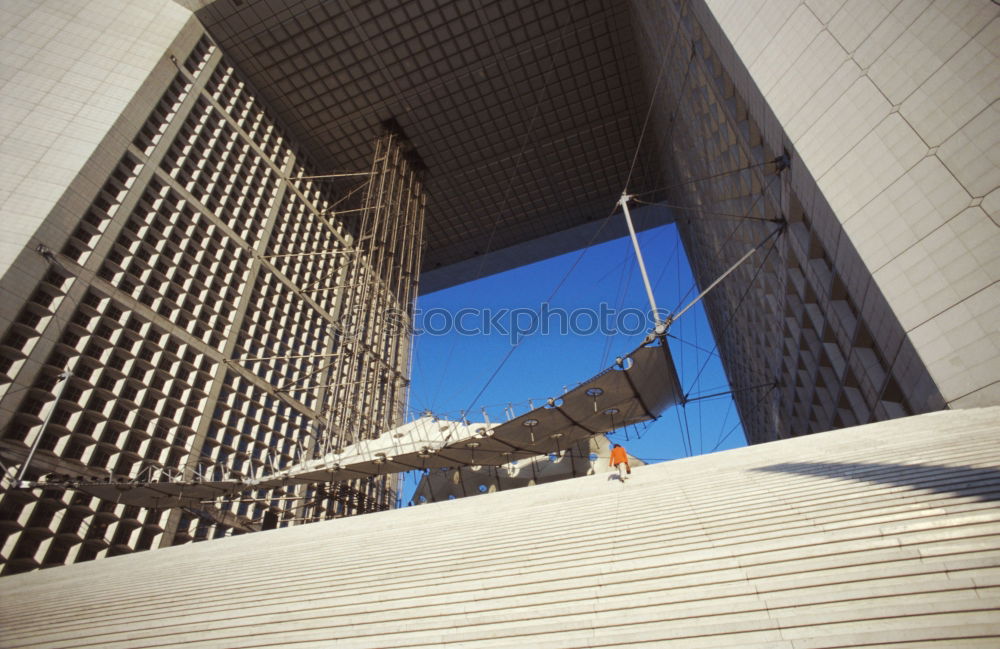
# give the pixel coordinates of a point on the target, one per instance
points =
(220, 312)
(800, 351)
(537, 105)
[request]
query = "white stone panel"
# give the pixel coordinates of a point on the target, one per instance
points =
(825, 10)
(888, 30)
(857, 19)
(961, 345)
(840, 128)
(991, 205)
(956, 260)
(764, 24)
(958, 91)
(855, 180)
(735, 15)
(934, 37)
(909, 209)
(816, 81)
(68, 68)
(792, 40)
(979, 398)
(973, 154)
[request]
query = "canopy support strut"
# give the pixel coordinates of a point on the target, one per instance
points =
(63, 381)
(723, 276)
(623, 201)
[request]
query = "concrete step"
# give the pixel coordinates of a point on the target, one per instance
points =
(896, 534)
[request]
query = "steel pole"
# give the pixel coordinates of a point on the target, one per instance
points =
(638, 254)
(724, 275)
(63, 381)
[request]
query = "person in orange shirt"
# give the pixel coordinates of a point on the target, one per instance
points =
(619, 460)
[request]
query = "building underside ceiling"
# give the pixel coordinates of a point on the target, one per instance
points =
(526, 113)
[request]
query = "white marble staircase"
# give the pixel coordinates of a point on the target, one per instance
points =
(880, 535)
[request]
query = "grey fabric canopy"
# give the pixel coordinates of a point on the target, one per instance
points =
(637, 388)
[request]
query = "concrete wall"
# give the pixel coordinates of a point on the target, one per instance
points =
(892, 108)
(68, 70)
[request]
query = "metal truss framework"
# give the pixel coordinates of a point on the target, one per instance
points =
(638, 388)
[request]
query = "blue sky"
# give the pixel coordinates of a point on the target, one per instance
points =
(451, 368)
